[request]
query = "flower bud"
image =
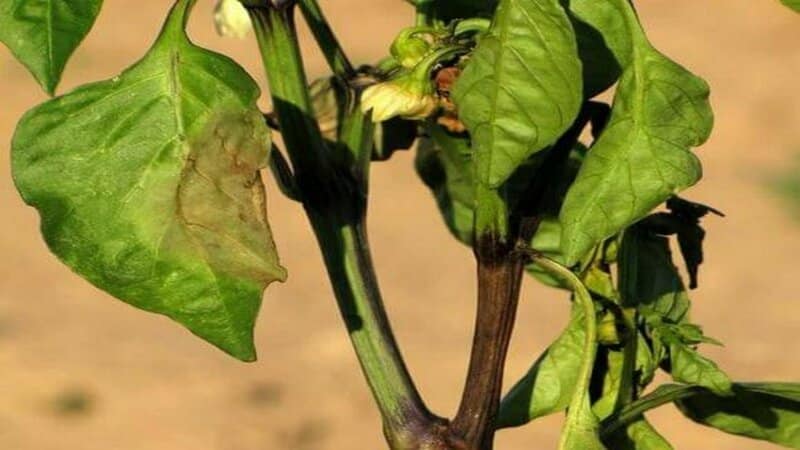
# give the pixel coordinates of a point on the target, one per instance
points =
(231, 19)
(410, 50)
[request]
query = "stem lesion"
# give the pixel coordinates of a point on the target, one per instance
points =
(499, 270)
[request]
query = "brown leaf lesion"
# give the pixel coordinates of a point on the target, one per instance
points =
(221, 200)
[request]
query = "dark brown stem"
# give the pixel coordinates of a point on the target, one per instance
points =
(499, 278)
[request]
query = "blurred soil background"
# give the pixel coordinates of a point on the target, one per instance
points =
(81, 371)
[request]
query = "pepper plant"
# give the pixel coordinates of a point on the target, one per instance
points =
(149, 186)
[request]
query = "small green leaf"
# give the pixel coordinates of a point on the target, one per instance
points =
(646, 361)
(582, 433)
(688, 366)
(648, 279)
(550, 383)
(148, 186)
(643, 157)
(42, 34)
(794, 4)
(444, 162)
(521, 89)
(639, 435)
(613, 371)
(765, 411)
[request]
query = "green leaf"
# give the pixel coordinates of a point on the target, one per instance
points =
(794, 4)
(648, 279)
(688, 366)
(604, 43)
(148, 186)
(639, 435)
(42, 34)
(765, 411)
(550, 383)
(646, 361)
(614, 370)
(444, 162)
(643, 157)
(521, 89)
(582, 433)
(547, 241)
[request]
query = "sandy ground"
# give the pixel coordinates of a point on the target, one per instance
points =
(81, 371)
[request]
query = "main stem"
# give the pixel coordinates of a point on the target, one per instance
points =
(499, 278)
(335, 203)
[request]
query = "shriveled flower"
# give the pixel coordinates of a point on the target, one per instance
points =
(405, 96)
(231, 19)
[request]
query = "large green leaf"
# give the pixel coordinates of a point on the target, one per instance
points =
(794, 4)
(42, 34)
(765, 411)
(148, 186)
(643, 157)
(521, 88)
(549, 385)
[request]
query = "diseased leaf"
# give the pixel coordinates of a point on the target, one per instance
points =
(521, 89)
(794, 4)
(42, 34)
(765, 411)
(688, 366)
(643, 157)
(148, 186)
(639, 435)
(549, 385)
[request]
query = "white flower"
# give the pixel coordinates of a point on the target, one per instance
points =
(231, 19)
(405, 96)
